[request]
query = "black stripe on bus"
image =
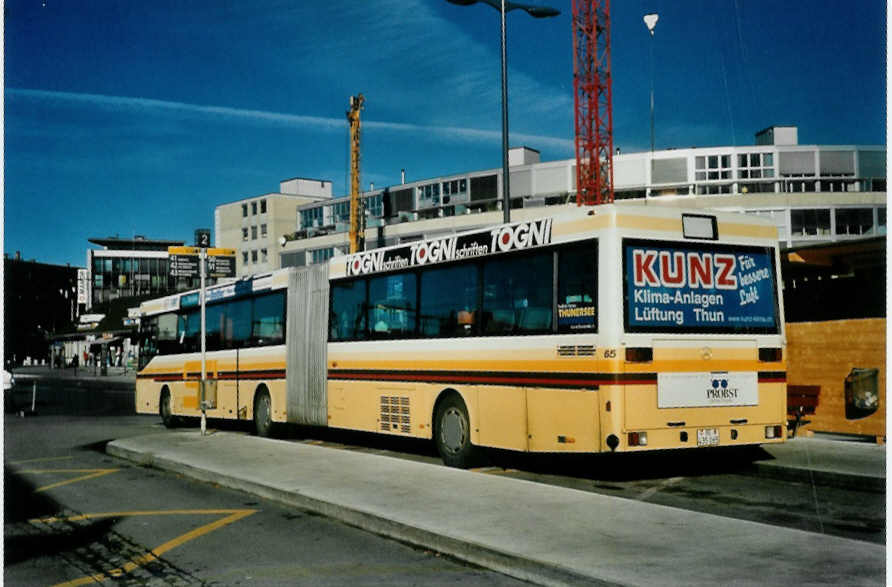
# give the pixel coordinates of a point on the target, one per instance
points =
(540, 379)
(228, 375)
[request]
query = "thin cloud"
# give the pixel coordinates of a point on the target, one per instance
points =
(298, 121)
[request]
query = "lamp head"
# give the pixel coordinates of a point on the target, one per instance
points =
(650, 20)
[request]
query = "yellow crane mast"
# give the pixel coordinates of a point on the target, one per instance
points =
(357, 228)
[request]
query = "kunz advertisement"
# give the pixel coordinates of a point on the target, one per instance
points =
(700, 288)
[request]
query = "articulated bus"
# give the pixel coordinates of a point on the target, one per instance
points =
(615, 328)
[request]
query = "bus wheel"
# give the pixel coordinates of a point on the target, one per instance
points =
(263, 419)
(452, 433)
(164, 409)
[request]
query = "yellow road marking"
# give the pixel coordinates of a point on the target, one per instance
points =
(43, 460)
(90, 474)
(234, 516)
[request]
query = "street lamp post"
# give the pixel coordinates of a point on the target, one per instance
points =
(504, 6)
(650, 21)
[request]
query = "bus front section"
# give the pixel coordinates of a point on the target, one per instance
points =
(701, 356)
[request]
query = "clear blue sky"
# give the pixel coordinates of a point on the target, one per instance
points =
(139, 117)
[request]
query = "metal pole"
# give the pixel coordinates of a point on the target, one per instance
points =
(651, 93)
(203, 255)
(506, 198)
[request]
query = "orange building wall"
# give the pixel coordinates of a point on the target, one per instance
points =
(823, 353)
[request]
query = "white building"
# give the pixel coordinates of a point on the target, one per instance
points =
(253, 226)
(814, 193)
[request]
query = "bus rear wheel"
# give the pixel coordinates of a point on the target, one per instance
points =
(263, 414)
(165, 411)
(452, 433)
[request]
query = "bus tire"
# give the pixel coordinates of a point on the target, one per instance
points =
(165, 410)
(263, 413)
(452, 433)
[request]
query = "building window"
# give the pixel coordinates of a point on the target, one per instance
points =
(712, 167)
(244, 210)
(854, 221)
(811, 222)
(310, 218)
(374, 206)
(712, 189)
(263, 230)
(755, 166)
(253, 233)
(245, 257)
(321, 255)
(263, 255)
(263, 206)
(245, 233)
(341, 212)
(254, 256)
(254, 208)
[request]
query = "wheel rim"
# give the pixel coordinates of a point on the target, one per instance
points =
(263, 410)
(453, 430)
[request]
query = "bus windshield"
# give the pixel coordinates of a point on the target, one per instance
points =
(683, 287)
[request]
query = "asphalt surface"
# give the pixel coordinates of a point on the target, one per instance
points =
(540, 533)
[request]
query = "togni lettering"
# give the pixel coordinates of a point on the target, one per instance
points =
(522, 235)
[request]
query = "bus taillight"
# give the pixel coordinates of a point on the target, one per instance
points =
(773, 431)
(639, 355)
(637, 438)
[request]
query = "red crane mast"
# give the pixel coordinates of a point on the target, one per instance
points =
(592, 102)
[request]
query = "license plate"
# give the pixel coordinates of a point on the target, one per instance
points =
(707, 437)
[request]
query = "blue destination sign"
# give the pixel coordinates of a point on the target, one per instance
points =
(700, 288)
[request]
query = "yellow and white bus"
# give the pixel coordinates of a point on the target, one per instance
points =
(614, 328)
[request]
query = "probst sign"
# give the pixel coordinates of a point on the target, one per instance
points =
(502, 239)
(707, 288)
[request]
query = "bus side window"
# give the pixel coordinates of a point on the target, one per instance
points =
(189, 332)
(167, 341)
(392, 310)
(577, 288)
(449, 301)
(268, 325)
(517, 294)
(348, 311)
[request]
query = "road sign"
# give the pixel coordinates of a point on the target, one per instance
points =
(221, 266)
(184, 265)
(203, 237)
(218, 251)
(183, 250)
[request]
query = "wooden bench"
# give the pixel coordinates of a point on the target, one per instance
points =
(801, 401)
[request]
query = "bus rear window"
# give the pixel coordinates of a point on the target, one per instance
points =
(699, 288)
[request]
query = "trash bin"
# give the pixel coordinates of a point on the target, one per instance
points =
(862, 397)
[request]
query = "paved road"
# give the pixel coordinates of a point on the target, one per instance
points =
(72, 513)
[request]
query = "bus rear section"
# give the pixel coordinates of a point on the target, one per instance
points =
(701, 355)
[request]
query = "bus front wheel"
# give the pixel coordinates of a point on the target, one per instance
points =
(263, 419)
(453, 433)
(165, 411)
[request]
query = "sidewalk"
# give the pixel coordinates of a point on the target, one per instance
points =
(827, 459)
(540, 533)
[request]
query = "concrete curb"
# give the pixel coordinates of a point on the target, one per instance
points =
(508, 564)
